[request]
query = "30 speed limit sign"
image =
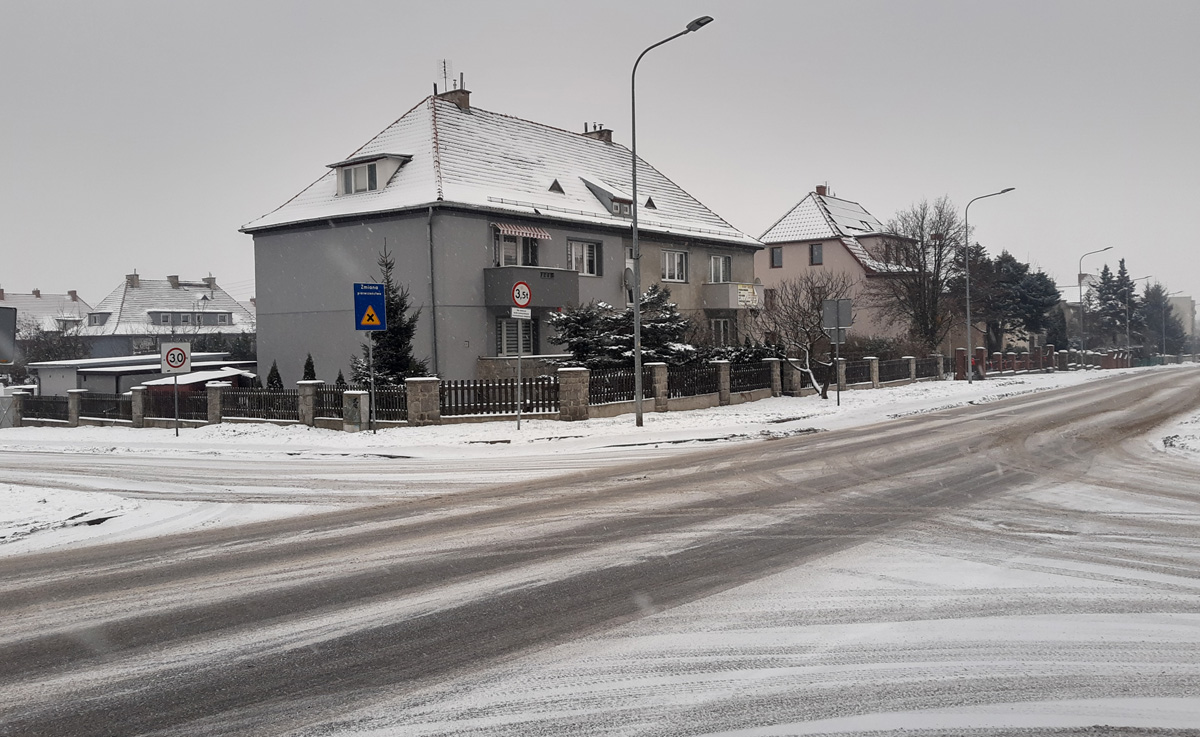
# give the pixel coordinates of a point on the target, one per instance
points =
(176, 358)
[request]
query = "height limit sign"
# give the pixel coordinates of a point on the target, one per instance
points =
(369, 310)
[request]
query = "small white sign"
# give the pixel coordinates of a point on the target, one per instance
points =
(522, 313)
(176, 358)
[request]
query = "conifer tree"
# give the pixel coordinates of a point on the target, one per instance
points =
(340, 383)
(274, 380)
(310, 369)
(393, 348)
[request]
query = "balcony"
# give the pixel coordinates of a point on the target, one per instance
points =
(731, 296)
(551, 288)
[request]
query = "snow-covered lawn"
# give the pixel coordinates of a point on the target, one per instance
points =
(58, 480)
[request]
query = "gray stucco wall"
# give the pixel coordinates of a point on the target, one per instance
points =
(305, 275)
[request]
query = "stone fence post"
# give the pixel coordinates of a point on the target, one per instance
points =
(873, 362)
(981, 362)
(138, 406)
(73, 397)
(776, 377)
(424, 400)
(308, 400)
(658, 375)
(573, 400)
(18, 407)
(841, 374)
(215, 390)
(912, 367)
(722, 381)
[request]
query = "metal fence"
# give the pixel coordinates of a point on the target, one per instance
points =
(327, 403)
(45, 408)
(106, 406)
(261, 404)
(690, 381)
(894, 370)
(927, 367)
(498, 396)
(744, 377)
(858, 372)
(193, 405)
(618, 385)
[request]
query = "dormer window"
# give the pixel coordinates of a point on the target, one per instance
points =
(367, 173)
(165, 318)
(613, 199)
(359, 179)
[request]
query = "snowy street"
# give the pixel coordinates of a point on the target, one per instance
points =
(1020, 553)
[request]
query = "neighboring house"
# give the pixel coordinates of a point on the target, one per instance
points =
(471, 202)
(53, 313)
(826, 233)
(141, 313)
(118, 374)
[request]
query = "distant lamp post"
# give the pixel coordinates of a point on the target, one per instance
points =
(1166, 303)
(967, 273)
(1082, 309)
(1127, 290)
(695, 25)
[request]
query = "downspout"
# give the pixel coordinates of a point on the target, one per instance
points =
(432, 291)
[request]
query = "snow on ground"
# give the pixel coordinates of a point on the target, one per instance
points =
(39, 510)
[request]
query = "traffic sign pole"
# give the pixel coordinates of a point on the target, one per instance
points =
(522, 297)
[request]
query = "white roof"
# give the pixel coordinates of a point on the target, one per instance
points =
(200, 377)
(504, 164)
(820, 217)
(129, 309)
(122, 361)
(48, 311)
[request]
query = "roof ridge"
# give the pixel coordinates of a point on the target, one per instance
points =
(437, 149)
(786, 214)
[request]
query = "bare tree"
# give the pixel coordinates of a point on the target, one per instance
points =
(792, 318)
(922, 244)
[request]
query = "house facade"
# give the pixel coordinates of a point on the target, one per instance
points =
(471, 203)
(829, 234)
(141, 313)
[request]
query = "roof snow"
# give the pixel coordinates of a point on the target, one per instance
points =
(500, 163)
(818, 217)
(129, 308)
(51, 312)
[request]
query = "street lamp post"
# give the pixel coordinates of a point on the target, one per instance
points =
(967, 273)
(637, 251)
(1165, 305)
(1127, 290)
(1082, 309)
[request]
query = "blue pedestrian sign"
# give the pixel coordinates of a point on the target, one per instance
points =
(369, 311)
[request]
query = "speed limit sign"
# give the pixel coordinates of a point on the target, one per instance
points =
(176, 358)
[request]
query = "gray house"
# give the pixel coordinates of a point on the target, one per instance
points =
(470, 203)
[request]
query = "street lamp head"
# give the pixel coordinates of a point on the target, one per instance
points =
(699, 23)
(1007, 189)
(1102, 250)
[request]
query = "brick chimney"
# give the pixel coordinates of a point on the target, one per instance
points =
(460, 97)
(74, 295)
(821, 189)
(210, 282)
(133, 280)
(253, 301)
(598, 131)
(174, 279)
(37, 293)
(1, 293)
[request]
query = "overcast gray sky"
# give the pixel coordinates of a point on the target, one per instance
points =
(142, 135)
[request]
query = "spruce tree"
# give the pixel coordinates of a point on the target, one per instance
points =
(393, 348)
(274, 380)
(340, 383)
(310, 370)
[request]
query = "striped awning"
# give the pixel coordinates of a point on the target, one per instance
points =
(522, 231)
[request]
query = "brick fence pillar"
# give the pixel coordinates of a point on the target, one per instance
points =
(18, 407)
(941, 365)
(138, 406)
(424, 400)
(308, 400)
(722, 381)
(776, 377)
(960, 364)
(215, 390)
(658, 375)
(73, 399)
(981, 362)
(1047, 361)
(572, 394)
(355, 408)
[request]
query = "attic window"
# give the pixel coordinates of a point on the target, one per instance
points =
(556, 187)
(360, 178)
(650, 204)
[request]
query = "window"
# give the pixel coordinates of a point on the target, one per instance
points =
(722, 331)
(674, 265)
(583, 257)
(359, 179)
(165, 318)
(222, 319)
(721, 267)
(93, 320)
(816, 254)
(185, 319)
(507, 331)
(776, 257)
(511, 250)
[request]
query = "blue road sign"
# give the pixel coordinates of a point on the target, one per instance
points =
(369, 310)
